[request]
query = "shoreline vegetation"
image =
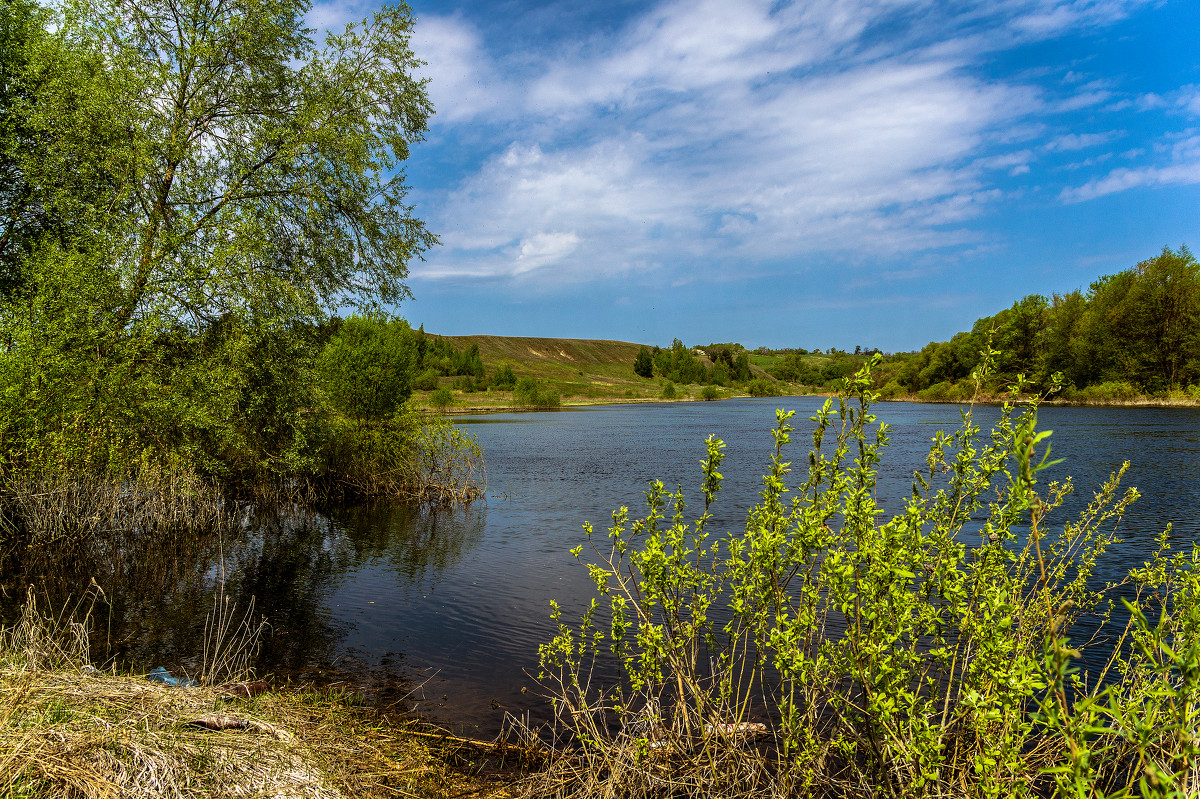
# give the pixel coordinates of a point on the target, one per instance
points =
(68, 729)
(1132, 339)
(196, 193)
(934, 653)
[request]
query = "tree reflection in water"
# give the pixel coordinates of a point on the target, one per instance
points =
(149, 595)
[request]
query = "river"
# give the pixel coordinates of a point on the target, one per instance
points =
(445, 609)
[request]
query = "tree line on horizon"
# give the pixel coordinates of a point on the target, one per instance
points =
(1136, 332)
(1133, 333)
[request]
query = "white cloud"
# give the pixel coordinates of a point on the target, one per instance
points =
(1188, 99)
(464, 81)
(1079, 141)
(741, 131)
(1183, 169)
(542, 249)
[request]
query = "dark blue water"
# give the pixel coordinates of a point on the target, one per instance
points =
(459, 600)
(476, 621)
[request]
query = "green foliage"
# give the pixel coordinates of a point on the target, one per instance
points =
(926, 654)
(709, 393)
(186, 190)
(442, 399)
(530, 393)
(760, 388)
(1111, 390)
(818, 371)
(406, 456)
(1139, 327)
(643, 365)
(668, 391)
(504, 378)
(679, 365)
(426, 381)
(367, 367)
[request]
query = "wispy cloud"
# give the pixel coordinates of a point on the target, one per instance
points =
(735, 133)
(1182, 168)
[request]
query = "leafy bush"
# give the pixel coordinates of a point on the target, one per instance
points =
(643, 365)
(426, 381)
(668, 391)
(504, 378)
(945, 392)
(709, 393)
(925, 655)
(366, 368)
(529, 393)
(407, 456)
(1106, 392)
(891, 390)
(760, 388)
(442, 399)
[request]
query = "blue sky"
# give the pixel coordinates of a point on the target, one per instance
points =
(814, 174)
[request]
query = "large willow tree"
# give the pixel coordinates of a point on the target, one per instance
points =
(194, 185)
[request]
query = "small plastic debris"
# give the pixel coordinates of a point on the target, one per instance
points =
(163, 676)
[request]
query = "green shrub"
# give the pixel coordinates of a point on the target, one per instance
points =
(929, 654)
(709, 393)
(366, 368)
(504, 378)
(668, 390)
(1113, 390)
(946, 392)
(760, 388)
(891, 390)
(408, 456)
(529, 393)
(442, 398)
(643, 365)
(426, 381)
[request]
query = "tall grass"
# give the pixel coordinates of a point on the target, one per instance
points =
(930, 654)
(68, 730)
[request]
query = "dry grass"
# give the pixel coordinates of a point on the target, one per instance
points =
(68, 730)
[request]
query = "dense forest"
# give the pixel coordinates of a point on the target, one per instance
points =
(191, 194)
(1133, 333)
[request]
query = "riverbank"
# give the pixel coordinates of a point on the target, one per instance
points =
(68, 729)
(485, 402)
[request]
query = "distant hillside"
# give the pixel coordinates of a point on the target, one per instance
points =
(581, 371)
(571, 353)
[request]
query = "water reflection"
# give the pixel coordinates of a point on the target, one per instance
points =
(148, 597)
(460, 599)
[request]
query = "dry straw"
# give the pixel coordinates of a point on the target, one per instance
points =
(70, 730)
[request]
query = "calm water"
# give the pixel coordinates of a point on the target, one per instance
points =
(448, 608)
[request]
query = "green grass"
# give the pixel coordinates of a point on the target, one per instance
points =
(582, 371)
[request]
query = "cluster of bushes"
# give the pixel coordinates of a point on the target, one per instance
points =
(728, 365)
(157, 325)
(825, 372)
(829, 650)
(680, 365)
(531, 393)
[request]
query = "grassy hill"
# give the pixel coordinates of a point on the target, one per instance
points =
(582, 371)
